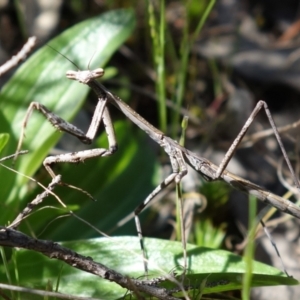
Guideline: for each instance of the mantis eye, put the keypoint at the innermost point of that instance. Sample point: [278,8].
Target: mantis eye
[71,74]
[98,73]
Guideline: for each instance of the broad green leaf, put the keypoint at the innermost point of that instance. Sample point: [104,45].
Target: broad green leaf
[222,270]
[42,78]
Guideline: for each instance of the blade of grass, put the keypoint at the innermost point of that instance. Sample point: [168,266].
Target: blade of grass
[158,44]
[185,48]
[4,137]
[249,251]
[179,204]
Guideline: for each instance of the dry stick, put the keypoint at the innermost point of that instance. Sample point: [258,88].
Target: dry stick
[251,139]
[13,155]
[179,156]
[12,238]
[39,199]
[21,55]
[40,293]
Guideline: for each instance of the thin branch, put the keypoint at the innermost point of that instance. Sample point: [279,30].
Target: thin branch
[38,199]
[41,292]
[21,55]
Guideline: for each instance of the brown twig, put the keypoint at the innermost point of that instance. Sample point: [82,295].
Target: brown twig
[21,55]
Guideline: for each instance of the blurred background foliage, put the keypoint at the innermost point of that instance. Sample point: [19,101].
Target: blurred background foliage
[209,60]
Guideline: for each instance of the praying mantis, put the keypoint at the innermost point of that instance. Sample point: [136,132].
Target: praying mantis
[179,156]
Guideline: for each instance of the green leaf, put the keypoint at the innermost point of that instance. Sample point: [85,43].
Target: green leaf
[222,270]
[4,137]
[42,78]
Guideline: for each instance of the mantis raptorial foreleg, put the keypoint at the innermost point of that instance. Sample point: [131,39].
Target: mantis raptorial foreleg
[101,114]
